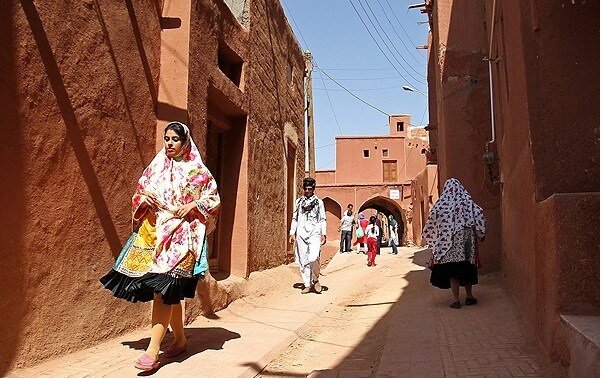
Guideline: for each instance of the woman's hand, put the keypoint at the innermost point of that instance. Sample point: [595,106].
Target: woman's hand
[148,202]
[183,210]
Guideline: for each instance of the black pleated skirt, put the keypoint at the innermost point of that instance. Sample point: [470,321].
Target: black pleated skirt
[142,289]
[466,273]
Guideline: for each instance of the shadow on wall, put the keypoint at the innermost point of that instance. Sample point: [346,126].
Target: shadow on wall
[12,201]
[72,125]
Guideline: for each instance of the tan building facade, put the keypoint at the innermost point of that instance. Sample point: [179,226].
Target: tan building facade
[379,173]
[86,89]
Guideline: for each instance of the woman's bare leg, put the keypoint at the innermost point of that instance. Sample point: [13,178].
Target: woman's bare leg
[455,289]
[177,325]
[161,313]
[468,291]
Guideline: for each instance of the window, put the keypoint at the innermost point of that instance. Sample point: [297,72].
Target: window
[400,126]
[365,153]
[385,152]
[230,63]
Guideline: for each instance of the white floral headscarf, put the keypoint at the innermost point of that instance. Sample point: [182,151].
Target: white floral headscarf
[453,211]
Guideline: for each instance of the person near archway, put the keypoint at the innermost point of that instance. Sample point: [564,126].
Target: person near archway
[346,229]
[372,232]
[361,237]
[394,235]
[451,230]
[308,230]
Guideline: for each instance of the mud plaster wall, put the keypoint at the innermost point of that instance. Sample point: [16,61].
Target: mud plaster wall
[77,82]
[534,162]
[275,99]
[463,112]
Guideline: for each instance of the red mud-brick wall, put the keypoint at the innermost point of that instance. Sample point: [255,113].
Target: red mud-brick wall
[460,82]
[77,84]
[276,99]
[548,136]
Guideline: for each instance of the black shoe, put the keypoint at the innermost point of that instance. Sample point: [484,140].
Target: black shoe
[455,305]
[470,301]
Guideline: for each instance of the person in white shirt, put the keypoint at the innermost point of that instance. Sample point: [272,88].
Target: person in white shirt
[308,231]
[346,229]
[372,232]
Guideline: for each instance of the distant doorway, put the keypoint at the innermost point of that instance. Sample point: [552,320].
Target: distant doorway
[290,194]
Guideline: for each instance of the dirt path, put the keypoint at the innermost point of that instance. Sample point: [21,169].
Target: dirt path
[348,334]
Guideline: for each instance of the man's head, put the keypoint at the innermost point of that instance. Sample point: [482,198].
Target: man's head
[349,209]
[309,186]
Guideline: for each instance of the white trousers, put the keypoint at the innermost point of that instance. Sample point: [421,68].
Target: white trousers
[307,256]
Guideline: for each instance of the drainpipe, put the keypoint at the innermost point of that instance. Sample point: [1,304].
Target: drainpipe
[490,88]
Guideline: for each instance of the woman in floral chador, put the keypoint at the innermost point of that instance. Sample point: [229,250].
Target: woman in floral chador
[451,230]
[174,209]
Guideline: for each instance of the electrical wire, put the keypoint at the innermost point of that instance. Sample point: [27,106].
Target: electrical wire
[330,101]
[376,42]
[397,34]
[392,43]
[352,94]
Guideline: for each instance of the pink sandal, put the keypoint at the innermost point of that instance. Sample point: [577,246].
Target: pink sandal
[173,351]
[146,363]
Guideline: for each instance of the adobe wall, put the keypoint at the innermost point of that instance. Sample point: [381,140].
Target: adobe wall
[352,167]
[325,177]
[463,115]
[567,263]
[275,87]
[545,238]
[76,101]
[566,152]
[424,187]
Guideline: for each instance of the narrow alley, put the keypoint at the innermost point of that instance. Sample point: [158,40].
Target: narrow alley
[385,321]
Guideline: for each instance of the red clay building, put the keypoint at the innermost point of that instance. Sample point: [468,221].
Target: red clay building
[381,173]
[85,89]
[539,181]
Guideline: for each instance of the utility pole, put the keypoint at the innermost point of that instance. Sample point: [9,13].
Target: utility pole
[309,112]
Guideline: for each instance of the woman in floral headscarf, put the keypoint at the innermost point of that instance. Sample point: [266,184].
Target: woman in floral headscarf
[450,231]
[174,209]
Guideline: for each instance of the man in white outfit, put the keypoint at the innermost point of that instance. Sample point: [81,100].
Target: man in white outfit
[308,230]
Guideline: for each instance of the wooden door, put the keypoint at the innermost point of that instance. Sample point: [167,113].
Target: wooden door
[389,170]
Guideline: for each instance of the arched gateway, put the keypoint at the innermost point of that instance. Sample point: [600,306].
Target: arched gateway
[388,207]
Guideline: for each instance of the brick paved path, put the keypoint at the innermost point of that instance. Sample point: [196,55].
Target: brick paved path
[409,332]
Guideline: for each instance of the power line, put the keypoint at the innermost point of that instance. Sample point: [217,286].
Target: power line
[367,78]
[358,69]
[376,42]
[326,164]
[392,43]
[295,25]
[330,101]
[400,24]
[359,90]
[397,34]
[352,94]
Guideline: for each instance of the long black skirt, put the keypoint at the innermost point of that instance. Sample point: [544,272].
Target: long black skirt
[142,289]
[466,273]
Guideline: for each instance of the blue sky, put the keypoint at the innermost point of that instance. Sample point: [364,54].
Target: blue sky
[344,50]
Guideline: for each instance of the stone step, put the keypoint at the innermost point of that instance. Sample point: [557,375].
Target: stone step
[582,332]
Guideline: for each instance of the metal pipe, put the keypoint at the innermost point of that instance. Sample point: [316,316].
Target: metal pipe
[490,89]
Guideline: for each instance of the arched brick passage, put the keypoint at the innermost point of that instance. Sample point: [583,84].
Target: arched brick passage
[388,207]
[333,215]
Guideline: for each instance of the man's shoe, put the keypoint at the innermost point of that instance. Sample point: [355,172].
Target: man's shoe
[306,290]
[317,287]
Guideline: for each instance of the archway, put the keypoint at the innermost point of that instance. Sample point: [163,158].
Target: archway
[333,215]
[389,207]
